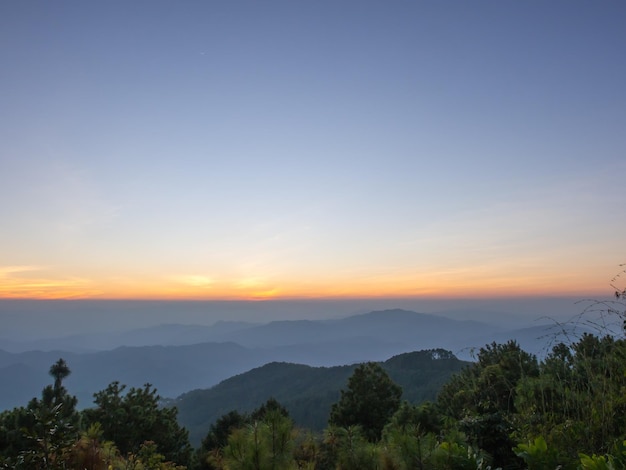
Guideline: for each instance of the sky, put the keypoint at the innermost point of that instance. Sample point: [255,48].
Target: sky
[311,149]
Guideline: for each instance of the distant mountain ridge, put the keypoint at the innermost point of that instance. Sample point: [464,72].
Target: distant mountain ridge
[397,325]
[236,347]
[401,326]
[169,334]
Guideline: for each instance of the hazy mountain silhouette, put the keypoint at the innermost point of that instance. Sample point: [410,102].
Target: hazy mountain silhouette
[163,335]
[174,366]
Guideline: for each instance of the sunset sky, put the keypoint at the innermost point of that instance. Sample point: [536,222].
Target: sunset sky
[285,149]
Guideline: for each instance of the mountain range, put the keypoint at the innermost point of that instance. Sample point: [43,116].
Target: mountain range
[179,358]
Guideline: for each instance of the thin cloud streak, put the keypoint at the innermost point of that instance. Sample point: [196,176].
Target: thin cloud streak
[13,284]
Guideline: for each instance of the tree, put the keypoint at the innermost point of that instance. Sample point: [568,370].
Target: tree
[265,444]
[51,438]
[40,435]
[269,406]
[217,437]
[425,418]
[91,452]
[351,449]
[59,370]
[577,403]
[482,398]
[131,419]
[370,401]
[220,431]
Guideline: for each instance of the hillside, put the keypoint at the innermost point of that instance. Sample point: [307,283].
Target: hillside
[238,347]
[308,392]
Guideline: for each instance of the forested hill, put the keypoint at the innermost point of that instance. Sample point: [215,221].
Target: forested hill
[309,392]
[175,368]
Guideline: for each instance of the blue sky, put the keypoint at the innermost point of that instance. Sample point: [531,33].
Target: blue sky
[311,149]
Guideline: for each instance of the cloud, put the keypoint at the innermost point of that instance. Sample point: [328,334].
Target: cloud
[195,280]
[250,282]
[31,282]
[7,271]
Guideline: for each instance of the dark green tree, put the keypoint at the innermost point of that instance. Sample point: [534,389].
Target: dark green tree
[39,436]
[577,404]
[482,398]
[132,418]
[369,401]
[269,406]
[217,437]
[50,440]
[352,450]
[12,438]
[264,444]
[59,371]
[425,418]
[220,431]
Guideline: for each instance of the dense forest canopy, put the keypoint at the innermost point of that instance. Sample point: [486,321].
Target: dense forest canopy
[506,410]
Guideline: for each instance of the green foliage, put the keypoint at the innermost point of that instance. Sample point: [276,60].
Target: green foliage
[271,406]
[307,451]
[352,450]
[92,452]
[569,411]
[50,437]
[211,452]
[308,393]
[46,432]
[489,385]
[425,417]
[616,460]
[370,400]
[456,456]
[412,440]
[217,438]
[421,374]
[536,455]
[130,419]
[596,462]
[483,398]
[13,438]
[578,402]
[40,435]
[147,458]
[265,444]
[408,446]
[575,403]
[59,370]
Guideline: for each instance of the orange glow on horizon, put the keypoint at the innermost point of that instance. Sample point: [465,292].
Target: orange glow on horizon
[32,282]
[50,291]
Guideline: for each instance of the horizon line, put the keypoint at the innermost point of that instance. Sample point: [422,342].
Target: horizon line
[517,296]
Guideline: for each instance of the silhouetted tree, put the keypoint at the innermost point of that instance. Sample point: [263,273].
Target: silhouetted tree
[59,371]
[369,401]
[39,436]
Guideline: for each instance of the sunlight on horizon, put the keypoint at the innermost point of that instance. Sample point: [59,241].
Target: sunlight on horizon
[26,282]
